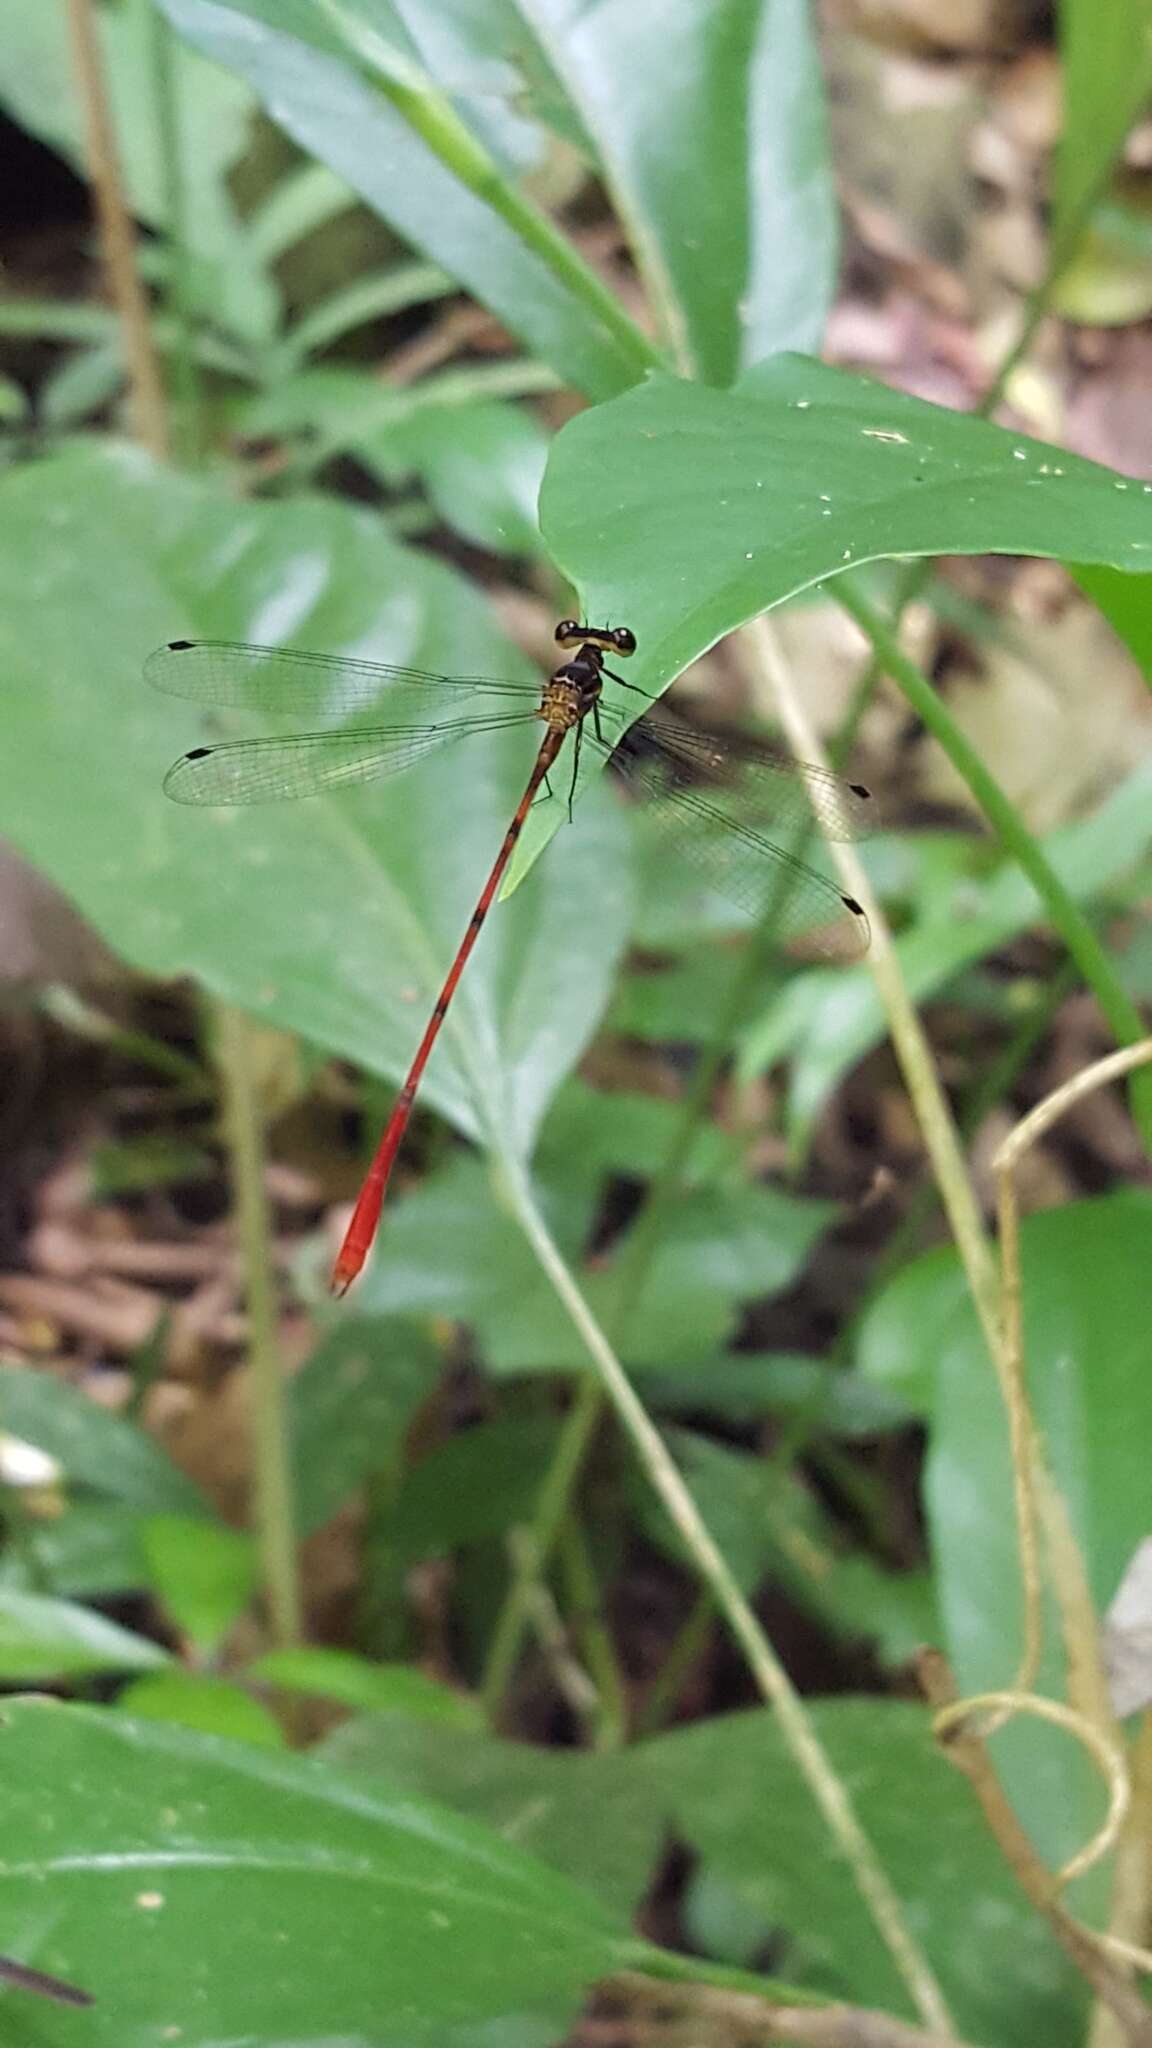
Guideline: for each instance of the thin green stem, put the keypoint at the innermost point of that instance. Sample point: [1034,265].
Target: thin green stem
[74,1014]
[921,1078]
[687,1648]
[1084,947]
[275,1514]
[827,1789]
[634,1261]
[549,1512]
[388,406]
[995,1081]
[588,1408]
[585,1617]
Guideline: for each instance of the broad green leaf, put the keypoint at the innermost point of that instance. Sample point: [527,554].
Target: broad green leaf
[94,1447]
[680,999]
[595,1818]
[363,300]
[203,1573]
[1106,56]
[476,1484]
[193,1699]
[85,383]
[41,1638]
[237,1894]
[349,1407]
[89,1551]
[353,1681]
[592,1132]
[1086,1350]
[684,511]
[826,1020]
[481,466]
[336,918]
[744,1386]
[13,401]
[309,79]
[1126,602]
[735,1797]
[765,1520]
[708,125]
[720,1246]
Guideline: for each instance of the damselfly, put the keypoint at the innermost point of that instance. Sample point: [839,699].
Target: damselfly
[716,792]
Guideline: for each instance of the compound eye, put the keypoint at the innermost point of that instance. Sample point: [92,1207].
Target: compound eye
[568,630]
[625,639]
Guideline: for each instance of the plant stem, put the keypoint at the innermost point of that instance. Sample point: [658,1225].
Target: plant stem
[274,1511]
[997,1080]
[117,233]
[588,1406]
[773,1682]
[923,1083]
[586,1619]
[688,1645]
[1084,947]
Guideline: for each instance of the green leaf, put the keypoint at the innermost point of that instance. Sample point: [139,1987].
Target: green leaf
[349,1407]
[271,1898]
[715,155]
[84,384]
[1126,602]
[153,1159]
[203,1572]
[826,1020]
[319,93]
[719,1246]
[95,1447]
[14,402]
[1085,1345]
[476,1484]
[593,1132]
[195,1700]
[90,1551]
[46,1639]
[686,511]
[481,465]
[593,1818]
[743,1385]
[735,1798]
[352,1681]
[765,1520]
[306,198]
[336,918]
[363,300]
[1106,64]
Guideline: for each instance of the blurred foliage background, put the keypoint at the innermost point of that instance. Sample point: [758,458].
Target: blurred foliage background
[546,1615]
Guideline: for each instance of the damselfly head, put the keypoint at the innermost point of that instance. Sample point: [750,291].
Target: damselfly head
[610,639]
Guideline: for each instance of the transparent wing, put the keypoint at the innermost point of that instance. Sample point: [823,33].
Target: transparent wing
[716,802]
[785,792]
[282,679]
[270,771]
